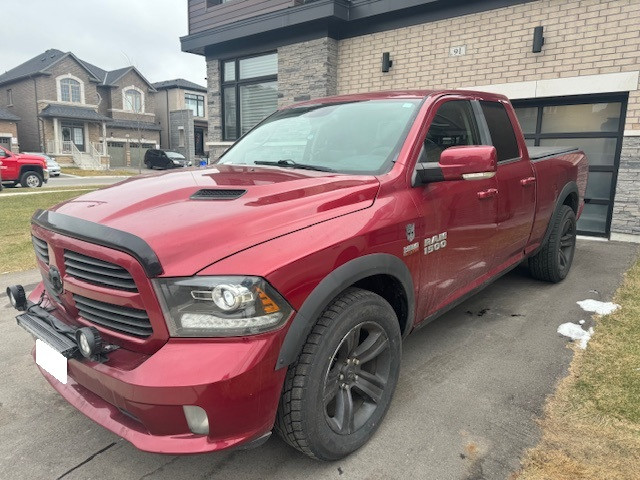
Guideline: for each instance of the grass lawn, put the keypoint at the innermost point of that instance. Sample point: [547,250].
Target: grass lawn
[97,173]
[16,251]
[591,428]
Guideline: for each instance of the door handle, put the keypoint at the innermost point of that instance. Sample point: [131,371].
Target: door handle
[492,192]
[525,182]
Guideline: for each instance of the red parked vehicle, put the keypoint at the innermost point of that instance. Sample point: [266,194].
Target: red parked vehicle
[27,170]
[198,310]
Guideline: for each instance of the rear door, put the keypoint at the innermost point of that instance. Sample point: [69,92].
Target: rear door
[516,184]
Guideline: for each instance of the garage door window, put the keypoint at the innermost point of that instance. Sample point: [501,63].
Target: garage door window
[593,124]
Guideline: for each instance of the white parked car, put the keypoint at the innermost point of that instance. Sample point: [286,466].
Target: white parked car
[52,165]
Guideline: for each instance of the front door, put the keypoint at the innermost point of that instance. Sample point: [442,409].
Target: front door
[459,217]
[73,133]
[198,138]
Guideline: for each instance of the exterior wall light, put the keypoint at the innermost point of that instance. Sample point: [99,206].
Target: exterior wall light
[538,39]
[387,63]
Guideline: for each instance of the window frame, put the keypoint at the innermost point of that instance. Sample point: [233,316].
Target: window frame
[236,84]
[9,97]
[216,3]
[198,98]
[68,76]
[124,99]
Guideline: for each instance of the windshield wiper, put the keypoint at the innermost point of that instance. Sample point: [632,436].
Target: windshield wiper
[292,164]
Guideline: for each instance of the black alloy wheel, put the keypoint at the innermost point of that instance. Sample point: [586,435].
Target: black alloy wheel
[356,378]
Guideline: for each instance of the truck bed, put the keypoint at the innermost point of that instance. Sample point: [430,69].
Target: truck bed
[537,153]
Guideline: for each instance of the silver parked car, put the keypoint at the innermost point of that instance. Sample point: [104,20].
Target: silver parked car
[52,165]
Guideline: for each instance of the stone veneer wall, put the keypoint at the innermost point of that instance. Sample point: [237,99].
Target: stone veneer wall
[626,209]
[306,70]
[184,119]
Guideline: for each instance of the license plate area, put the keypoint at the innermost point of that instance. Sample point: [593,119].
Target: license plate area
[51,361]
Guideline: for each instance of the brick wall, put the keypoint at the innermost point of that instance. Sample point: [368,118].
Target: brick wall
[10,128]
[307,70]
[132,78]
[582,37]
[626,209]
[214,109]
[24,106]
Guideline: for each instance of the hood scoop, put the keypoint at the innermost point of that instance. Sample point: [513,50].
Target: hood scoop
[217,194]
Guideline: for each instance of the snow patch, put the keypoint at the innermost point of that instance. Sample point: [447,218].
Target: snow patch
[581,322]
[575,332]
[595,306]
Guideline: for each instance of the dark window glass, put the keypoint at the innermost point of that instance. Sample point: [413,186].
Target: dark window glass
[501,130]
[250,93]
[453,125]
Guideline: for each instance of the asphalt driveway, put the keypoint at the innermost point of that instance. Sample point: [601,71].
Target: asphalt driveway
[472,384]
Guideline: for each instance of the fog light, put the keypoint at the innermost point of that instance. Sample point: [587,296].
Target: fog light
[196,419]
[17,297]
[89,341]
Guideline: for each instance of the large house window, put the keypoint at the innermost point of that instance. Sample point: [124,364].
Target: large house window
[249,93]
[133,100]
[195,103]
[70,90]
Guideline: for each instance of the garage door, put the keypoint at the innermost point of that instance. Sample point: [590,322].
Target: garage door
[5,142]
[117,153]
[593,124]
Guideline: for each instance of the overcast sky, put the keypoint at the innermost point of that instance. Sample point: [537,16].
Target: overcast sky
[110,34]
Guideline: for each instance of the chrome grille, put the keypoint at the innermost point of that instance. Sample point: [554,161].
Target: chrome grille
[98,272]
[41,248]
[130,321]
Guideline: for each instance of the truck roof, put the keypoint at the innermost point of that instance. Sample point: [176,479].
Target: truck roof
[397,94]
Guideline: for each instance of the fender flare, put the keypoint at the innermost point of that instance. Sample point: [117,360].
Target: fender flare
[569,188]
[331,286]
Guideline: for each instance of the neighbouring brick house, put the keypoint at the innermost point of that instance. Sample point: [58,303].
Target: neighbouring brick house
[181,109]
[9,130]
[80,113]
[582,88]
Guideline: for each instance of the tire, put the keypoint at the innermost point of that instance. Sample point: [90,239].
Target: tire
[354,347]
[31,179]
[553,262]
[148,164]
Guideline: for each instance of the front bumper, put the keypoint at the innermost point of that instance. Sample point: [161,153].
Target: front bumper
[140,397]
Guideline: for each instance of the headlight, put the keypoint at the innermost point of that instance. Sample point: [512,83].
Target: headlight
[220,306]
[176,162]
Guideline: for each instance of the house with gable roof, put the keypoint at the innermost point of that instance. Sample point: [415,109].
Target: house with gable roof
[80,113]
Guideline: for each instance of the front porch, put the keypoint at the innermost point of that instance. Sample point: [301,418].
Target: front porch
[74,136]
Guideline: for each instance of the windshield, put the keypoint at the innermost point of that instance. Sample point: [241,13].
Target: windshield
[175,155]
[356,137]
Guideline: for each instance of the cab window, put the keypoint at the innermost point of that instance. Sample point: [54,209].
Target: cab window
[501,130]
[453,125]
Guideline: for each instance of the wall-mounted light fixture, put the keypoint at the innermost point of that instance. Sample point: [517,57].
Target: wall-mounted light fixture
[387,63]
[538,39]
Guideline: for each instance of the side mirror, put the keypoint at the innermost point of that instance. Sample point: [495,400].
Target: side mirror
[473,162]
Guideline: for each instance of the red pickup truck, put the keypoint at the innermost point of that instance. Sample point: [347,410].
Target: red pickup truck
[198,310]
[27,170]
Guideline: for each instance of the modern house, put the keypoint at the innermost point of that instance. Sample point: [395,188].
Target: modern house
[80,113]
[571,68]
[9,130]
[181,110]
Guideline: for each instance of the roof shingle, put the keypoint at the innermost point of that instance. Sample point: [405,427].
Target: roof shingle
[8,116]
[179,83]
[76,113]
